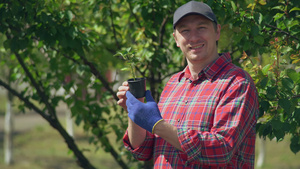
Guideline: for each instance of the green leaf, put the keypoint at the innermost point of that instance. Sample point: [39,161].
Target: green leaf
[264,82]
[276,124]
[295,9]
[266,68]
[295,144]
[247,45]
[23,43]
[297,115]
[271,92]
[286,127]
[259,39]
[279,134]
[292,74]
[267,130]
[125,69]
[237,37]
[285,104]
[263,129]
[96,131]
[78,120]
[278,16]
[128,50]
[265,105]
[278,131]
[278,7]
[262,2]
[69,15]
[288,83]
[254,31]
[233,6]
[258,18]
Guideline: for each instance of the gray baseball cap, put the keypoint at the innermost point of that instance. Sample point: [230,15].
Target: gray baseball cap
[193,7]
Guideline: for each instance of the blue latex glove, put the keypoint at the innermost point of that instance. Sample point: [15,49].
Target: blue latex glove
[146,115]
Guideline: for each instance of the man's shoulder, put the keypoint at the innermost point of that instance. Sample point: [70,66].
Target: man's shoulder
[236,73]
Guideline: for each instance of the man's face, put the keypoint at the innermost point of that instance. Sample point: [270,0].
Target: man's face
[196,37]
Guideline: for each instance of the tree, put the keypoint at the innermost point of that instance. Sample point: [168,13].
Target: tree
[274,27]
[8,131]
[49,40]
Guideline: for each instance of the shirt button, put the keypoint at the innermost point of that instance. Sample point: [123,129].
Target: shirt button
[178,120]
[186,102]
[167,160]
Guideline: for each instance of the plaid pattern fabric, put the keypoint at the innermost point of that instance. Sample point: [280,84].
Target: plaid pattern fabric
[215,116]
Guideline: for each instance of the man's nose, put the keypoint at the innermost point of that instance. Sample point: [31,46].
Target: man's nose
[194,35]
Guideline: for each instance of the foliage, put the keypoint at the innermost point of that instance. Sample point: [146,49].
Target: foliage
[276,69]
[131,59]
[70,45]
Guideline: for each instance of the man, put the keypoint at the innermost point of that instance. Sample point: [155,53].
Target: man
[207,113]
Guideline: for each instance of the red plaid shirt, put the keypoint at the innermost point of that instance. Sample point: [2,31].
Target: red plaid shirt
[215,116]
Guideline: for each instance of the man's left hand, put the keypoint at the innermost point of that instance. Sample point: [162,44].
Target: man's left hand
[146,115]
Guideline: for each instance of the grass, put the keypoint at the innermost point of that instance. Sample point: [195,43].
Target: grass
[279,155]
[43,148]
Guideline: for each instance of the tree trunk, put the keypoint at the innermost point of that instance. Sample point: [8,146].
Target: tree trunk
[82,161]
[262,142]
[261,154]
[8,130]
[69,123]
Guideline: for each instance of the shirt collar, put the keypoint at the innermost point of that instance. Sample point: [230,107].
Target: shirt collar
[210,70]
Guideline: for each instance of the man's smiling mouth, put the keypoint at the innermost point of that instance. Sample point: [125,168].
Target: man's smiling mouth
[197,47]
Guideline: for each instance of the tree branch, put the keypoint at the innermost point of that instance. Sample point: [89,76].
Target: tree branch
[99,76]
[25,100]
[40,91]
[295,97]
[113,26]
[282,31]
[95,72]
[83,162]
[162,31]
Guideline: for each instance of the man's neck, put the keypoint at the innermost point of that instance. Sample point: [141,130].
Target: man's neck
[195,69]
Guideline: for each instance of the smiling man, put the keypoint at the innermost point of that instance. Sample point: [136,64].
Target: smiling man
[196,36]
[207,113]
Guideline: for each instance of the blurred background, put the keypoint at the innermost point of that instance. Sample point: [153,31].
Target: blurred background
[61,62]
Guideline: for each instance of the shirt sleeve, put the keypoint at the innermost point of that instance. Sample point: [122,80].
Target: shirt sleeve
[234,120]
[145,151]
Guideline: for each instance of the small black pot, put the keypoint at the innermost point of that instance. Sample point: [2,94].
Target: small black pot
[137,87]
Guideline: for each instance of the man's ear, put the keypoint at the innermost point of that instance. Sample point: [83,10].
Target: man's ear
[218,31]
[174,35]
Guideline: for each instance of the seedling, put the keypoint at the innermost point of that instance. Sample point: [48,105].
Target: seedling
[131,61]
[137,86]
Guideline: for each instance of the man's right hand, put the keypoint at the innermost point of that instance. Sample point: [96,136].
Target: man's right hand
[121,94]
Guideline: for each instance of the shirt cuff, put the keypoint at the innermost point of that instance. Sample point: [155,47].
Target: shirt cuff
[190,144]
[144,152]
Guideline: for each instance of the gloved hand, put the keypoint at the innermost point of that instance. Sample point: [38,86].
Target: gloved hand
[146,115]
